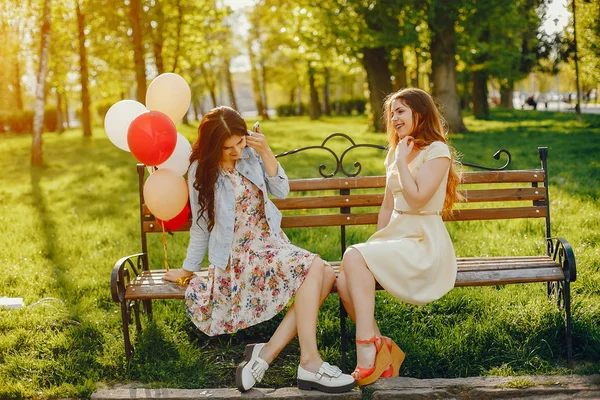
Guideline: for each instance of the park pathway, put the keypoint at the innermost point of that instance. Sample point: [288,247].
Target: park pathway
[550,387]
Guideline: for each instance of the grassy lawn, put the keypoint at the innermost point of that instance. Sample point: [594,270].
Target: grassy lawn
[66,223]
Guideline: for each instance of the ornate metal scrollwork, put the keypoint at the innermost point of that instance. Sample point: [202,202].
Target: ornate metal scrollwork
[497,157]
[339,160]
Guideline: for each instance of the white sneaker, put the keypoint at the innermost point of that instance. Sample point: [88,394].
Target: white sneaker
[252,369]
[328,379]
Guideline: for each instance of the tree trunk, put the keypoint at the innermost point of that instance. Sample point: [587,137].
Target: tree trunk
[195,105]
[67,119]
[18,89]
[417,82]
[299,100]
[60,125]
[375,62]
[443,66]
[210,84]
[38,118]
[263,88]
[399,72]
[506,94]
[157,36]
[83,67]
[260,108]
[229,82]
[326,98]
[135,13]
[179,25]
[481,109]
[315,107]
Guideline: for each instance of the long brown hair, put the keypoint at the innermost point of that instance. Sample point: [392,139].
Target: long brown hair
[428,126]
[218,125]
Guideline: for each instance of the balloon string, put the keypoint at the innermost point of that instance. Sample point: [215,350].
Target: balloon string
[164,241]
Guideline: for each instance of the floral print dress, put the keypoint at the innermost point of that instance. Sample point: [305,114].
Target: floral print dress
[263,274]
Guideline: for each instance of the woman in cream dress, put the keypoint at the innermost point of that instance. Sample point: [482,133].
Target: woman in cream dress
[411,254]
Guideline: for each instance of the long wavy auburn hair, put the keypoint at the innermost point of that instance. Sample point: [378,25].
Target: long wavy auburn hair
[428,126]
[218,125]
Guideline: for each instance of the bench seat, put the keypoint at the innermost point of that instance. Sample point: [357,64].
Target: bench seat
[472,271]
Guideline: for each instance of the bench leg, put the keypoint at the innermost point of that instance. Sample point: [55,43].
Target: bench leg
[148,308]
[136,311]
[344,349]
[552,288]
[569,328]
[125,322]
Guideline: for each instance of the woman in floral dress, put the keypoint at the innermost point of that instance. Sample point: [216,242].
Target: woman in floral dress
[254,270]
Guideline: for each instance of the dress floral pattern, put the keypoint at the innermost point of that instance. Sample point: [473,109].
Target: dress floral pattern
[263,274]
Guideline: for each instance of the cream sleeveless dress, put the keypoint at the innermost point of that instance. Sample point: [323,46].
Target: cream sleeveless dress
[412,257]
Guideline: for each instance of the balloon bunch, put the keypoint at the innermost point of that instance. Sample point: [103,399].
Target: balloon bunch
[149,133]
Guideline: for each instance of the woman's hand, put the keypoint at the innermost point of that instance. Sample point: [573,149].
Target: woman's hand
[173,275]
[258,142]
[404,148]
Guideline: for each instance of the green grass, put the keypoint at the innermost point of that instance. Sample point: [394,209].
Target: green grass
[64,225]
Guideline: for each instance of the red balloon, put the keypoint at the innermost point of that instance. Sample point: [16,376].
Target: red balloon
[152,138]
[178,221]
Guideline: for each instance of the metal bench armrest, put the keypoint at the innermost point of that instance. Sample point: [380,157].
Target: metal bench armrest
[121,276]
[562,253]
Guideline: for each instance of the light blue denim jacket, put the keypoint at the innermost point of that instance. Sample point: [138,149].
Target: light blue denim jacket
[219,241]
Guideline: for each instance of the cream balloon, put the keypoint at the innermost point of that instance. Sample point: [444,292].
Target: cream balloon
[118,118]
[165,193]
[179,161]
[170,94]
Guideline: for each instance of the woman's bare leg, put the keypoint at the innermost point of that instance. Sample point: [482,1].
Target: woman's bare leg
[343,292]
[358,291]
[287,329]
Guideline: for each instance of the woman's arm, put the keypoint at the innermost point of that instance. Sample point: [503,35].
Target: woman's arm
[419,190]
[275,177]
[258,142]
[199,236]
[387,207]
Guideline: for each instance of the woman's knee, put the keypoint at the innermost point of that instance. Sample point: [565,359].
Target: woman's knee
[352,259]
[328,273]
[342,284]
[317,267]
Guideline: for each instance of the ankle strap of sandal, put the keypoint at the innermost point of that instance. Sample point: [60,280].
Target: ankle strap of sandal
[375,339]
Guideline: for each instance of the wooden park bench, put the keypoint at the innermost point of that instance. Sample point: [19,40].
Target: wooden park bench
[521,194]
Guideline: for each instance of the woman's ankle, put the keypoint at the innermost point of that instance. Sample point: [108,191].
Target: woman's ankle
[365,355]
[265,354]
[311,364]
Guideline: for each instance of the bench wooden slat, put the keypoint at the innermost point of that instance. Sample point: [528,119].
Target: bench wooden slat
[361,182]
[365,182]
[300,221]
[534,175]
[368,200]
[502,277]
[300,203]
[505,194]
[475,271]
[375,200]
[497,213]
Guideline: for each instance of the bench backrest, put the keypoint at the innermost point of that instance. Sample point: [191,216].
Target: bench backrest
[335,201]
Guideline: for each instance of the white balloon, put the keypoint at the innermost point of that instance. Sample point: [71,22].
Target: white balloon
[118,118]
[179,161]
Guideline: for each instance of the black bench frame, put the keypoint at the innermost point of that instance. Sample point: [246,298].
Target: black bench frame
[557,248]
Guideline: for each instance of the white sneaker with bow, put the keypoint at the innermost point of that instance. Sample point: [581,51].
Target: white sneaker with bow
[328,379]
[252,369]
